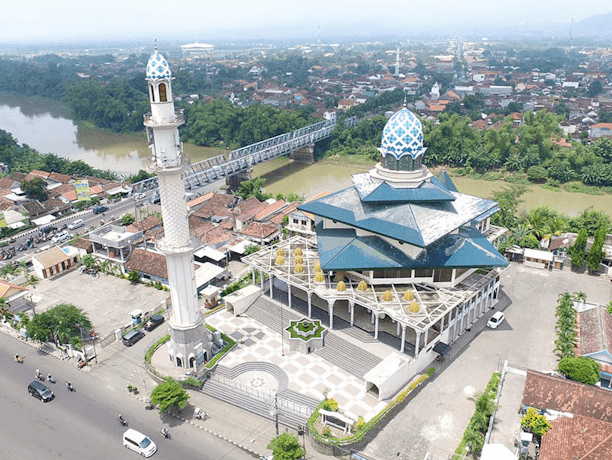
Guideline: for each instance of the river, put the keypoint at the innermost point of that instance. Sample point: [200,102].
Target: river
[44,125]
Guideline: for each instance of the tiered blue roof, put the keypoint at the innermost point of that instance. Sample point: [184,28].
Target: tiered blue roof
[429,190]
[342,249]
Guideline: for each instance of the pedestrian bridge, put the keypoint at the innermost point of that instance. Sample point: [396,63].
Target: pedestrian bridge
[241,160]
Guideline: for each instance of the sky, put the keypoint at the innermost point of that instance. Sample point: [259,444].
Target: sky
[47,21]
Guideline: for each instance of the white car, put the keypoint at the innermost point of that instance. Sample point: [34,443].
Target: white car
[139,443]
[496,320]
[61,237]
[140,196]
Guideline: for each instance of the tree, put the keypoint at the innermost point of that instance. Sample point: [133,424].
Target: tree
[286,446]
[128,219]
[536,423]
[596,252]
[595,89]
[89,261]
[133,276]
[252,187]
[580,369]
[578,249]
[169,394]
[35,188]
[62,323]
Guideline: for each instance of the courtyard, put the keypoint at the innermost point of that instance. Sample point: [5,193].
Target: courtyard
[107,300]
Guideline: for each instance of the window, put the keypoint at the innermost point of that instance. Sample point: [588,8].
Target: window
[152,91]
[162,92]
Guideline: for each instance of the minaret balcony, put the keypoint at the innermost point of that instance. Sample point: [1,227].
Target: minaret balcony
[151,121]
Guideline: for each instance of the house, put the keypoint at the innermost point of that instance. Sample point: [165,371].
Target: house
[601,130]
[595,339]
[580,415]
[17,298]
[52,262]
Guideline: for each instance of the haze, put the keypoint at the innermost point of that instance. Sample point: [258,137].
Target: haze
[41,21]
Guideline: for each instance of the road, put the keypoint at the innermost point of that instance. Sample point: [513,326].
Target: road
[83,424]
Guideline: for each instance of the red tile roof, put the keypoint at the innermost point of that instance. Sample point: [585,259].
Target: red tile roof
[544,391]
[151,263]
[577,438]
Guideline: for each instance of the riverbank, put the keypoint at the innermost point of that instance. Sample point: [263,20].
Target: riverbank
[333,174]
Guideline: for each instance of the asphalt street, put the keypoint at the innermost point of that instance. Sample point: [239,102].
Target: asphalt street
[83,424]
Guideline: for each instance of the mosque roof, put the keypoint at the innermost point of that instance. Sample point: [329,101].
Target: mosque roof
[343,249]
[414,222]
[429,190]
[157,67]
[402,135]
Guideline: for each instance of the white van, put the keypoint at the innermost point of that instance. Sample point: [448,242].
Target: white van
[139,443]
[76,224]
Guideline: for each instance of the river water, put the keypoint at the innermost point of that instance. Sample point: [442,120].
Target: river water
[44,125]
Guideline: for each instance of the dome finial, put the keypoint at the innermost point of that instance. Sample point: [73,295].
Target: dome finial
[405,101]
[155,39]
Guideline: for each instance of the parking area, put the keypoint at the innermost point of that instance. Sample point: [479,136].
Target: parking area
[435,419]
[107,300]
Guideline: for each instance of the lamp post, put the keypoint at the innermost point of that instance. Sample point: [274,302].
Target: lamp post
[300,431]
[82,342]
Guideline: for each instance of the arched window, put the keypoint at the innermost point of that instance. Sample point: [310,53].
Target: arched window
[152,91]
[162,92]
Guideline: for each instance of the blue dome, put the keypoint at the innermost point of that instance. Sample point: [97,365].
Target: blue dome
[402,135]
[157,67]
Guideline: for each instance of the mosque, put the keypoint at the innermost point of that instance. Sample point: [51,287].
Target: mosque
[400,252]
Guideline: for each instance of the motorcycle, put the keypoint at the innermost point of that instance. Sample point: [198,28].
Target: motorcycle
[39,376]
[199,414]
[122,421]
[69,387]
[18,359]
[50,378]
[165,433]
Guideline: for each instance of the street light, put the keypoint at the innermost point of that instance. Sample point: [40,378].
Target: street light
[300,431]
[82,342]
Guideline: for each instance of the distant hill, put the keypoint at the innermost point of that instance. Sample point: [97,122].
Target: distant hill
[594,26]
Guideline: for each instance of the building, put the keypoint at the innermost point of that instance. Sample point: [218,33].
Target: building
[400,252]
[189,345]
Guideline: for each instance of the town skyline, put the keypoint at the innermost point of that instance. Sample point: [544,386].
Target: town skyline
[89,21]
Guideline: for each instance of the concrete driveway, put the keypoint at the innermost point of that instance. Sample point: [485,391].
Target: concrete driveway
[435,419]
[107,300]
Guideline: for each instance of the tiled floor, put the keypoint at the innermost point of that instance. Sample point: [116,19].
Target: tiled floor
[308,374]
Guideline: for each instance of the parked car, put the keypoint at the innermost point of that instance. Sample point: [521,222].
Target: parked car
[496,320]
[99,209]
[49,229]
[40,391]
[140,196]
[132,337]
[153,322]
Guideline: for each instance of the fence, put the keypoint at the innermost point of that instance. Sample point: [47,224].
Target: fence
[262,395]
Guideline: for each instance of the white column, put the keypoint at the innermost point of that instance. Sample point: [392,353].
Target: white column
[261,274]
[397,328]
[417,343]
[271,285]
[309,293]
[353,314]
[372,314]
[330,306]
[402,346]
[425,339]
[376,328]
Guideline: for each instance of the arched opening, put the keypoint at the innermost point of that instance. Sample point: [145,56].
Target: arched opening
[179,362]
[152,91]
[372,389]
[192,361]
[162,92]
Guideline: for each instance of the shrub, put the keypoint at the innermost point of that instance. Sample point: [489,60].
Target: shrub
[535,422]
[580,369]
[330,404]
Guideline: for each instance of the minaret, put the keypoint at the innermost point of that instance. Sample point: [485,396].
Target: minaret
[397,62]
[189,345]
